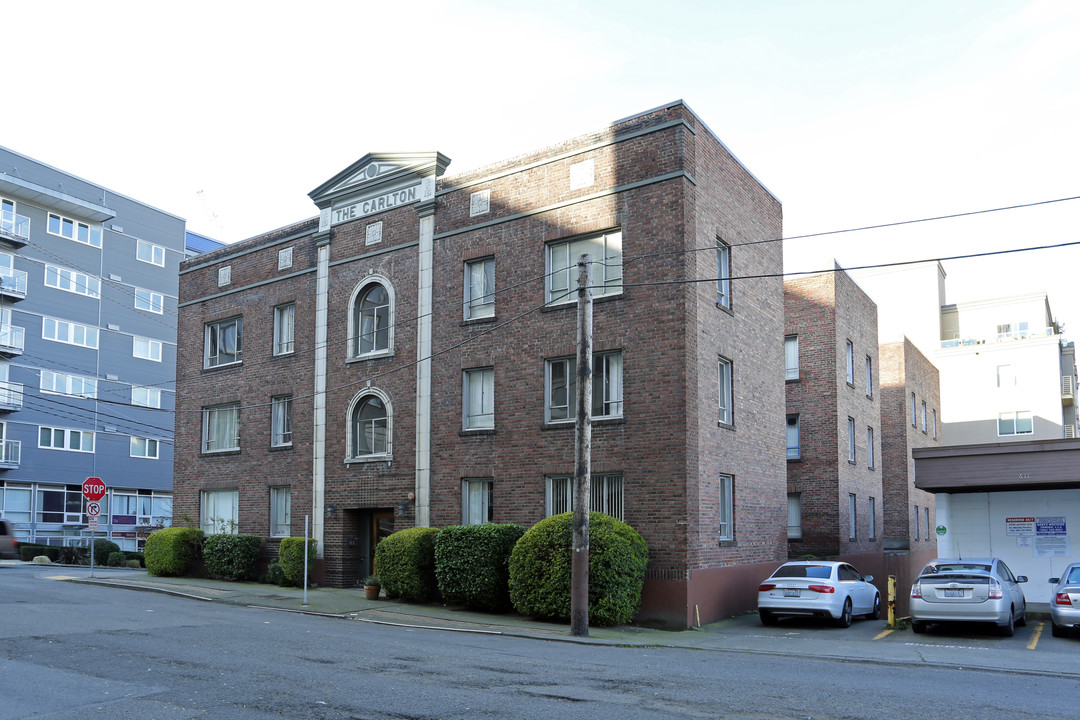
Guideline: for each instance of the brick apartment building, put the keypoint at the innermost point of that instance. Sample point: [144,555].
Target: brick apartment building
[406,359]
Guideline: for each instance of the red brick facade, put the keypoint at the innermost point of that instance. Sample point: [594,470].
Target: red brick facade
[672,191]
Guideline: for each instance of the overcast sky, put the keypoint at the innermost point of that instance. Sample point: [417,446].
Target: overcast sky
[852,113]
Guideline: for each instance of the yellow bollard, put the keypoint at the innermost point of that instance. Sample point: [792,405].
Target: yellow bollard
[892,601]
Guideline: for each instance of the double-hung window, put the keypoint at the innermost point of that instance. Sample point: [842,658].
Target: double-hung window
[913,411]
[220,511]
[605,252]
[144,448]
[280,511]
[224,340]
[605,494]
[725,392]
[146,396]
[791,357]
[607,393]
[870,447]
[794,516]
[851,439]
[869,378]
[480,288]
[221,428]
[281,421]
[476,496]
[794,451]
[849,357]
[146,348]
[923,416]
[478,392]
[723,274]
[853,525]
[72,281]
[149,253]
[872,510]
[149,301]
[284,328]
[726,509]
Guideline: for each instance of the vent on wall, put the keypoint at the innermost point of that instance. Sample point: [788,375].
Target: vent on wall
[1070,431]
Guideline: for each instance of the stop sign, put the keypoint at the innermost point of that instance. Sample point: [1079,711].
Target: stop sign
[93,489]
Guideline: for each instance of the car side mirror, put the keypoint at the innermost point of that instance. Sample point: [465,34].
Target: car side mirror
[1055,581]
[869,578]
[1021,578]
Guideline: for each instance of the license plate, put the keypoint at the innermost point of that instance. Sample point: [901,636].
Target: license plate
[954,593]
[791,593]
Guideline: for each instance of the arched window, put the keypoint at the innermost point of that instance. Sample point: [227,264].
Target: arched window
[369,426]
[370,331]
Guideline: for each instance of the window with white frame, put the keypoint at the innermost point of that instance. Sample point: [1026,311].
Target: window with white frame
[70,333]
[370,332]
[221,428]
[476,494]
[58,505]
[726,508]
[144,448]
[480,288]
[224,342]
[149,301]
[605,252]
[872,509]
[794,516]
[794,452]
[369,427]
[1015,423]
[923,416]
[66,384]
[141,509]
[220,511]
[870,448]
[853,527]
[605,494]
[280,511]
[146,349]
[281,420]
[869,378]
[849,357]
[723,273]
[52,438]
[791,357]
[851,439]
[15,502]
[72,281]
[478,395]
[149,253]
[146,396]
[284,328]
[727,411]
[607,393]
[74,230]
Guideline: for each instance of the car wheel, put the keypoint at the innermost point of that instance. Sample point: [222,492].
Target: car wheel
[1057,630]
[1009,628]
[767,618]
[918,627]
[845,615]
[876,612]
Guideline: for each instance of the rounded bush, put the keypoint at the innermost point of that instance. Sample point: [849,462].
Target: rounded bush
[170,551]
[274,575]
[232,556]
[291,557]
[406,564]
[103,549]
[540,568]
[116,559]
[472,565]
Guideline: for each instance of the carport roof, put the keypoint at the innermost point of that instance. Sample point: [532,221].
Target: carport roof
[1028,465]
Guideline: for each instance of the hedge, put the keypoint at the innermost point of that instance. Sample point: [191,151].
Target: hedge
[291,556]
[170,551]
[232,556]
[472,565]
[405,562]
[540,568]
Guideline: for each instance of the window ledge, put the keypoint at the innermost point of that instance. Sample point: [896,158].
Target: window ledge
[284,355]
[570,304]
[725,308]
[476,431]
[726,426]
[278,448]
[793,380]
[795,460]
[570,424]
[727,543]
[369,459]
[370,356]
[478,320]
[219,453]
[222,366]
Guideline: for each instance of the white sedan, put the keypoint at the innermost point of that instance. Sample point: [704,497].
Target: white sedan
[818,588]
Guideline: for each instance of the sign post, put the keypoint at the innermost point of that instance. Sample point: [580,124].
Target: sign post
[93,489]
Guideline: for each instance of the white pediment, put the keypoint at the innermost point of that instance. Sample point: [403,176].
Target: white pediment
[376,173]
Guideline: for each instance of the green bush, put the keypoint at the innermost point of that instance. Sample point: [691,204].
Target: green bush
[291,556]
[274,575]
[136,556]
[103,548]
[472,565]
[232,556]
[73,555]
[116,559]
[540,569]
[406,564]
[170,551]
[29,551]
[132,563]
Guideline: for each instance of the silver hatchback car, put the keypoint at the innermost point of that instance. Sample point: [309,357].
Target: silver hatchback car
[968,590]
[1065,601]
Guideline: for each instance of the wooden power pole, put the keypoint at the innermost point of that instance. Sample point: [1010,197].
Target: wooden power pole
[579,568]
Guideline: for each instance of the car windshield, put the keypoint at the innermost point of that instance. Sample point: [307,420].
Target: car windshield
[811,571]
[956,568]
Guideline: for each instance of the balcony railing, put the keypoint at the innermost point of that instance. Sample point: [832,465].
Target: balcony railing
[10,452]
[11,395]
[14,228]
[13,283]
[999,337]
[12,340]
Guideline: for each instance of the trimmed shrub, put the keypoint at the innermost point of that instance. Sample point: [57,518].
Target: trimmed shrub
[132,563]
[103,548]
[136,556]
[274,575]
[406,564]
[232,556]
[170,551]
[472,565]
[291,556]
[116,559]
[540,569]
[29,551]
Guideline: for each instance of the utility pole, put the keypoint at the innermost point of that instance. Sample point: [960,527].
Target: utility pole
[579,567]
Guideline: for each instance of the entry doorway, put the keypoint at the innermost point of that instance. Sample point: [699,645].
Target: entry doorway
[381,526]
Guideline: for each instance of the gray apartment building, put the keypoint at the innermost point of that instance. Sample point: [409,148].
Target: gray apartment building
[88,288]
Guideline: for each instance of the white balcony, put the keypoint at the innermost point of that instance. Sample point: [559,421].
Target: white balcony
[12,340]
[12,283]
[11,396]
[14,228]
[10,453]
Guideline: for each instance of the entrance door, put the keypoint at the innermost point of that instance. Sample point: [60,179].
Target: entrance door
[382,525]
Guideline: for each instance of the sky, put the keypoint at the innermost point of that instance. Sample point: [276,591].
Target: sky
[852,113]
